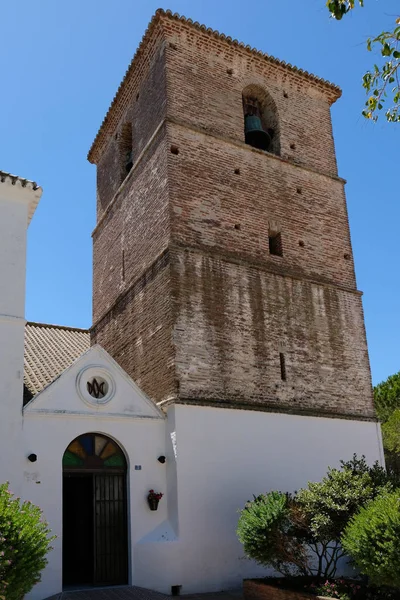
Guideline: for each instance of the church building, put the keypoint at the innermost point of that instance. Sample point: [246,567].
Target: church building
[227,355]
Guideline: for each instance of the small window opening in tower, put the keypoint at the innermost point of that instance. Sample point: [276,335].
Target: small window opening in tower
[255,135]
[283,366]
[275,244]
[125,145]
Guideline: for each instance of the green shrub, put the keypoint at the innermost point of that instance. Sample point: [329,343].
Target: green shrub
[271,530]
[24,543]
[372,539]
[301,534]
[331,502]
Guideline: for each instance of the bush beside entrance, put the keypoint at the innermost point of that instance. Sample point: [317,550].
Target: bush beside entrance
[24,543]
[302,535]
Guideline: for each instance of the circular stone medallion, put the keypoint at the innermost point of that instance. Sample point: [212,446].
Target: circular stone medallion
[95,385]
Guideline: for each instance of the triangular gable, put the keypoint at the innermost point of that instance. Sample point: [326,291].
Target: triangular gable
[117,394]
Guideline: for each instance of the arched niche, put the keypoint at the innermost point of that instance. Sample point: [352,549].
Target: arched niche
[261,120]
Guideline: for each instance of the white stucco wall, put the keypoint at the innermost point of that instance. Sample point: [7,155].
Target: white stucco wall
[216,460]
[17,204]
[49,437]
[224,457]
[56,417]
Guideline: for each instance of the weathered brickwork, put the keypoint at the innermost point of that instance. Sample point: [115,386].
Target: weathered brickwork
[187,295]
[234,321]
[138,332]
[135,229]
[208,199]
[202,93]
[145,111]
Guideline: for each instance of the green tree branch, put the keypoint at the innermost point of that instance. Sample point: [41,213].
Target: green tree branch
[382,83]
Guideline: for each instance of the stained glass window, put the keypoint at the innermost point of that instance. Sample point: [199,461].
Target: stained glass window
[93,451]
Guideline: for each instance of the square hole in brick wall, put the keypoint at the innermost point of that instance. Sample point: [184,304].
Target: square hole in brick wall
[275,244]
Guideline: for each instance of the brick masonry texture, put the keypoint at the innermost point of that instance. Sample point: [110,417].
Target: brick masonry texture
[145,112]
[234,320]
[134,230]
[202,93]
[187,297]
[256,590]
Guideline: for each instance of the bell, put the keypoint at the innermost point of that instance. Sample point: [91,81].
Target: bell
[254,133]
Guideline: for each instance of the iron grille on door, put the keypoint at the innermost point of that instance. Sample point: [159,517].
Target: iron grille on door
[110,529]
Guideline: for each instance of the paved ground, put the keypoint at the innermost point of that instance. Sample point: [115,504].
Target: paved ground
[136,593]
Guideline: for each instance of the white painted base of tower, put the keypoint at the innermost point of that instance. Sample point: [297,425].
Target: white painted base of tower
[216,460]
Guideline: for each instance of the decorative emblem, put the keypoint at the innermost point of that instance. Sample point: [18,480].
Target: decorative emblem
[96,389]
[95,385]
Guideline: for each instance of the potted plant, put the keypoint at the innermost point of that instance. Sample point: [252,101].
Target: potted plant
[153,499]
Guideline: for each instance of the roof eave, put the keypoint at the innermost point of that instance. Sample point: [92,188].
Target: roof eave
[20,189]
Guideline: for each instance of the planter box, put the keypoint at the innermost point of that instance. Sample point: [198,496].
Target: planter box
[254,589]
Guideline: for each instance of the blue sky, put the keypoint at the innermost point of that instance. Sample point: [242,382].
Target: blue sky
[61,63]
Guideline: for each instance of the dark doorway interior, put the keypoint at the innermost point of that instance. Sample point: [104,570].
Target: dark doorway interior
[78,521]
[95,525]
[94,529]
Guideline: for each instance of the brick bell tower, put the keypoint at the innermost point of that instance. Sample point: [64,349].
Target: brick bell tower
[223,268]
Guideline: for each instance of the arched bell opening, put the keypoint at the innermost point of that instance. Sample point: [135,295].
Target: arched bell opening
[261,123]
[95,523]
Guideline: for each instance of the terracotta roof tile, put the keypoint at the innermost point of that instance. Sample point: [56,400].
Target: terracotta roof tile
[49,350]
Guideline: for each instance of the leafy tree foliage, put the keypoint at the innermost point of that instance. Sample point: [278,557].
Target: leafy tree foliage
[383,79]
[300,534]
[391,432]
[372,539]
[387,404]
[24,543]
[387,397]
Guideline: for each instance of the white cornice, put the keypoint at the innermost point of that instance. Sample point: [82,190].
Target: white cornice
[14,188]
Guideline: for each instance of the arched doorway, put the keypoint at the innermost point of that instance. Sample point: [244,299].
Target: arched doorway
[95,527]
